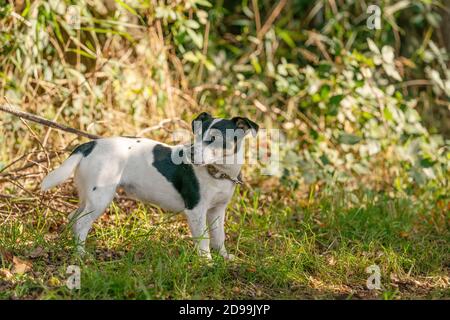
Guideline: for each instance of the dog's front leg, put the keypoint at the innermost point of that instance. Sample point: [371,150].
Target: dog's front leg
[216,221]
[197,223]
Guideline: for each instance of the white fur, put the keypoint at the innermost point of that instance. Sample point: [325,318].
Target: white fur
[122,162]
[62,173]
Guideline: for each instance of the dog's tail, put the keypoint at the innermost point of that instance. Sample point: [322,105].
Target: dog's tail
[63,173]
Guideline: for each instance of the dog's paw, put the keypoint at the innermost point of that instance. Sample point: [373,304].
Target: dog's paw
[206,259]
[229,257]
[205,255]
[80,250]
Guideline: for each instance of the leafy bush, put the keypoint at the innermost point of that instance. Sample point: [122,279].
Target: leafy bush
[312,68]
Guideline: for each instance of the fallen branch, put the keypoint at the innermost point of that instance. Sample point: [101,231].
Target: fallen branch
[28,116]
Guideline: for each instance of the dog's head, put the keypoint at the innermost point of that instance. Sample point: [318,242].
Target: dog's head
[217,139]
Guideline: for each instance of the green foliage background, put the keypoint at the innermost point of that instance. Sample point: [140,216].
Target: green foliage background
[354,104]
[364,116]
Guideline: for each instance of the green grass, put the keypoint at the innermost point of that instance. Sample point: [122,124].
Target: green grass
[286,248]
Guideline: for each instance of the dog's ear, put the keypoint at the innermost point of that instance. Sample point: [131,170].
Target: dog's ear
[246,125]
[200,119]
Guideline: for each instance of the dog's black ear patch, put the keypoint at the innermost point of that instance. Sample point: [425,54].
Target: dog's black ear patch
[202,118]
[85,149]
[181,176]
[246,124]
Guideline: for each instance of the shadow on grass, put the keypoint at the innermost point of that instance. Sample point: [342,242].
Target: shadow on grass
[283,252]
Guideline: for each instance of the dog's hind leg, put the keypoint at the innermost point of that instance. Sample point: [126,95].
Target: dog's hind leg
[77,211]
[97,200]
[81,203]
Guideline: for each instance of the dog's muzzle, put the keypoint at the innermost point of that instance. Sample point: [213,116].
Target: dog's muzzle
[194,157]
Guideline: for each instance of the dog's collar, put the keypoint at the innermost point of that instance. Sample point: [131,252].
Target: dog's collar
[217,174]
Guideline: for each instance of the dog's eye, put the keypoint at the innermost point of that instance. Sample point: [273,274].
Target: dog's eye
[213,138]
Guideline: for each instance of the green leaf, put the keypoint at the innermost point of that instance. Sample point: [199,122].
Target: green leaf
[324,67]
[284,35]
[190,56]
[351,139]
[324,92]
[129,9]
[373,47]
[336,100]
[203,3]
[57,29]
[27,9]
[324,159]
[426,162]
[192,24]
[316,98]
[82,53]
[433,19]
[255,63]
[241,22]
[388,114]
[196,38]
[126,7]
[101,30]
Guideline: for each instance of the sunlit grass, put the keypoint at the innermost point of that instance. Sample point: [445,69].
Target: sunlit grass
[316,251]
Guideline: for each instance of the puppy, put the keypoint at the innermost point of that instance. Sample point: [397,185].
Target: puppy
[197,178]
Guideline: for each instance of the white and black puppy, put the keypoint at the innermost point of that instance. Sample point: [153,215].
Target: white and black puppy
[198,178]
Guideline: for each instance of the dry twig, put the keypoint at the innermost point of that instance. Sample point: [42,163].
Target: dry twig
[28,116]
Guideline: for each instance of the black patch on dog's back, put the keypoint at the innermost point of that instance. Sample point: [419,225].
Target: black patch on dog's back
[181,176]
[85,148]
